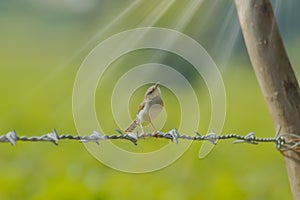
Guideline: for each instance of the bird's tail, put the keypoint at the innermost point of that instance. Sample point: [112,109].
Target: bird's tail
[132,126]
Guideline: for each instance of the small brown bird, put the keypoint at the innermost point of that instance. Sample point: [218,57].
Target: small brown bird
[151,106]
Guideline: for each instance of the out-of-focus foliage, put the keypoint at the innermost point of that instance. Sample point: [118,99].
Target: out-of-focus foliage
[39,58]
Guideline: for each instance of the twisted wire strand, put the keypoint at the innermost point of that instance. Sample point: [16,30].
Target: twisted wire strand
[283,142]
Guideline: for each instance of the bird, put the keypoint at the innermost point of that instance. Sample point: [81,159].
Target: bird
[149,109]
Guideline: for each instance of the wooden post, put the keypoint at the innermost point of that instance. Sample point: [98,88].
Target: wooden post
[274,73]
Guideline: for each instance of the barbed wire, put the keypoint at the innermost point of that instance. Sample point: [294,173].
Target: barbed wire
[283,142]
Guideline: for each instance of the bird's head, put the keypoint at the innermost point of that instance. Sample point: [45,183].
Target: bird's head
[153,91]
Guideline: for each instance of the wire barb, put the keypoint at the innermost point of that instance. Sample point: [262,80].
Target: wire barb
[283,142]
[10,137]
[249,138]
[212,137]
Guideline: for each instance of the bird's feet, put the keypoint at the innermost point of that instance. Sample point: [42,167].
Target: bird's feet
[156,134]
[143,135]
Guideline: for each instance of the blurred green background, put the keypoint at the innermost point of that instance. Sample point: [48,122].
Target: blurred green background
[43,44]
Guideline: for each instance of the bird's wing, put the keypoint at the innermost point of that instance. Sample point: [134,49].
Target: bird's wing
[131,126]
[141,106]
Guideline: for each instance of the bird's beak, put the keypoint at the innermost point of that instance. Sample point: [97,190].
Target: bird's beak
[156,85]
